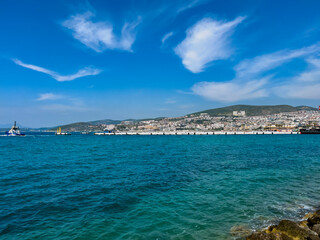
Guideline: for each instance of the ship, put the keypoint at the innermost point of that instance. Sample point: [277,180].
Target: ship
[14,131]
[310,131]
[62,133]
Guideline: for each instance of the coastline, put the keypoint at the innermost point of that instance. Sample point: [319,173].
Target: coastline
[198,133]
[308,228]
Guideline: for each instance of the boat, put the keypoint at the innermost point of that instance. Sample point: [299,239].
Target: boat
[84,133]
[62,133]
[310,131]
[14,131]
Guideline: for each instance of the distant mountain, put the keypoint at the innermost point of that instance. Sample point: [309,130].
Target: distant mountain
[254,110]
[74,127]
[105,121]
[86,126]
[147,119]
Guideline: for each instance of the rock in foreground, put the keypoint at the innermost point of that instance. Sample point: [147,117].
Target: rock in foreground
[308,229]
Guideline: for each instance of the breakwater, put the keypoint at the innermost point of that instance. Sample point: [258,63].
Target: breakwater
[197,133]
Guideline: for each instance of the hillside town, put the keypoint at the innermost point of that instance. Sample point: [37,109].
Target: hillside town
[235,121]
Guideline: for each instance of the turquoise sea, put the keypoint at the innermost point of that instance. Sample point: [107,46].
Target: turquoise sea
[153,187]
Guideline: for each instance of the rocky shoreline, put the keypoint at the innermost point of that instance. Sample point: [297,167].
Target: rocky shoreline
[307,229]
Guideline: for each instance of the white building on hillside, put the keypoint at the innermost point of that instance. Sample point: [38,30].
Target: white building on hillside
[239,113]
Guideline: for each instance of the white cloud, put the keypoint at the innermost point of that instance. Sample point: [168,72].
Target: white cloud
[231,91]
[255,66]
[304,86]
[313,73]
[166,36]
[88,71]
[100,36]
[49,96]
[298,90]
[190,5]
[69,104]
[206,41]
[253,79]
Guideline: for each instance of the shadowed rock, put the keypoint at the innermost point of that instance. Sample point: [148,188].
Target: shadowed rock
[293,230]
[240,231]
[268,236]
[316,228]
[314,219]
[289,230]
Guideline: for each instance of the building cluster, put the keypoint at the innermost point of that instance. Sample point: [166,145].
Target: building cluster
[235,121]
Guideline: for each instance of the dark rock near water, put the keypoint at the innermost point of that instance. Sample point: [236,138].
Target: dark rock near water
[292,229]
[314,219]
[268,236]
[316,228]
[240,231]
[308,229]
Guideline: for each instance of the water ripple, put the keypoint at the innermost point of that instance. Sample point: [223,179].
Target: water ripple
[153,187]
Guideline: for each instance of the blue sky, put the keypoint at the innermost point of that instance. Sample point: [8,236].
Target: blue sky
[69,61]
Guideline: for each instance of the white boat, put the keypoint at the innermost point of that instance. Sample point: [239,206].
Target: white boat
[14,131]
[62,133]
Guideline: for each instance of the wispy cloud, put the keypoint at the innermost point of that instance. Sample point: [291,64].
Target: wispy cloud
[305,86]
[264,63]
[49,96]
[191,4]
[88,71]
[298,91]
[166,36]
[100,36]
[64,103]
[253,78]
[231,91]
[208,40]
[313,72]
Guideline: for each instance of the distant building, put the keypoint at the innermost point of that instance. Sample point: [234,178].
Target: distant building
[239,113]
[109,127]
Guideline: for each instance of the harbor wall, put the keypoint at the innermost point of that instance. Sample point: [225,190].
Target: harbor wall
[198,133]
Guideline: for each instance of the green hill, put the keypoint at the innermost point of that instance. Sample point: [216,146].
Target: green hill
[105,121]
[224,111]
[254,110]
[74,127]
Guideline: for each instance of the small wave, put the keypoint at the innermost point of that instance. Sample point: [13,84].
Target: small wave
[293,212]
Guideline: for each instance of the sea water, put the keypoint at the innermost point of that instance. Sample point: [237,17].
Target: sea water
[154,187]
